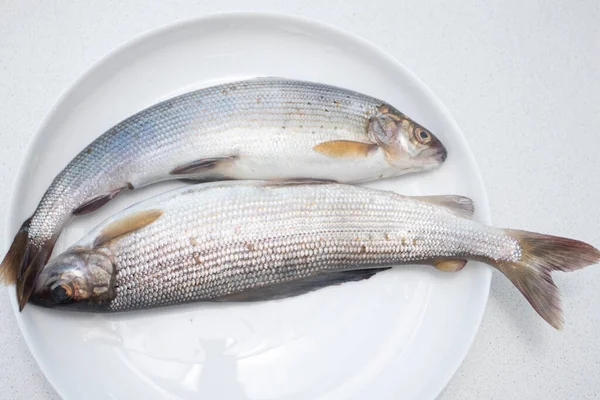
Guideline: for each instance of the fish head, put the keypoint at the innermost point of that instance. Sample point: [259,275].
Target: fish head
[407,145]
[79,278]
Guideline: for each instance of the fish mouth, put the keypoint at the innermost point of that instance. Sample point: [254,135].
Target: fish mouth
[435,155]
[441,154]
[42,299]
[441,151]
[40,295]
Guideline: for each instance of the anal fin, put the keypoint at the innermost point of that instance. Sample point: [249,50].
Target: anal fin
[300,286]
[449,265]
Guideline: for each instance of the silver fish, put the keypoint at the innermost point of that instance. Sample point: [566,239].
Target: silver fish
[255,129]
[244,241]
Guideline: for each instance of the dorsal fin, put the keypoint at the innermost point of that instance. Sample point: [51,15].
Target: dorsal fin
[127,225]
[460,206]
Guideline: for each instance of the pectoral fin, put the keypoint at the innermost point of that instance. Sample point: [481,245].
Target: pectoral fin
[345,148]
[449,265]
[127,225]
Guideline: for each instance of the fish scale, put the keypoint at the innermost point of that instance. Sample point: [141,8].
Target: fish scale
[249,241]
[266,128]
[228,238]
[195,118]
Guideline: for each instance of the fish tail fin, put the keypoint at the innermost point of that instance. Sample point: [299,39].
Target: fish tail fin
[23,263]
[16,256]
[32,265]
[540,255]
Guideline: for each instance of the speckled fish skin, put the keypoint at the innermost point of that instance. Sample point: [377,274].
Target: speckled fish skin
[221,239]
[255,129]
[235,240]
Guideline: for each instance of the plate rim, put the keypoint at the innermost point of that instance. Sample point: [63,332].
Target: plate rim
[482,207]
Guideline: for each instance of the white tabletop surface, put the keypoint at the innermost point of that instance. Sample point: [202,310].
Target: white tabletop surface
[521,79]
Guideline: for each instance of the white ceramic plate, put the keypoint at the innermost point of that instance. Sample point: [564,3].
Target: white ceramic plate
[401,334]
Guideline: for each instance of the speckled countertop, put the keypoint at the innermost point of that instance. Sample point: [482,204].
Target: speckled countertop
[520,78]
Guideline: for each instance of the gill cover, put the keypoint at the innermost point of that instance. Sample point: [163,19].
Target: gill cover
[405,143]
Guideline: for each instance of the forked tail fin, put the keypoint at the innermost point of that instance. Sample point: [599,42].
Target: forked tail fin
[16,256]
[37,257]
[23,262]
[542,254]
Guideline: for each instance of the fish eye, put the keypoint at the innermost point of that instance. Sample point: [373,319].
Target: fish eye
[423,136]
[61,292]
